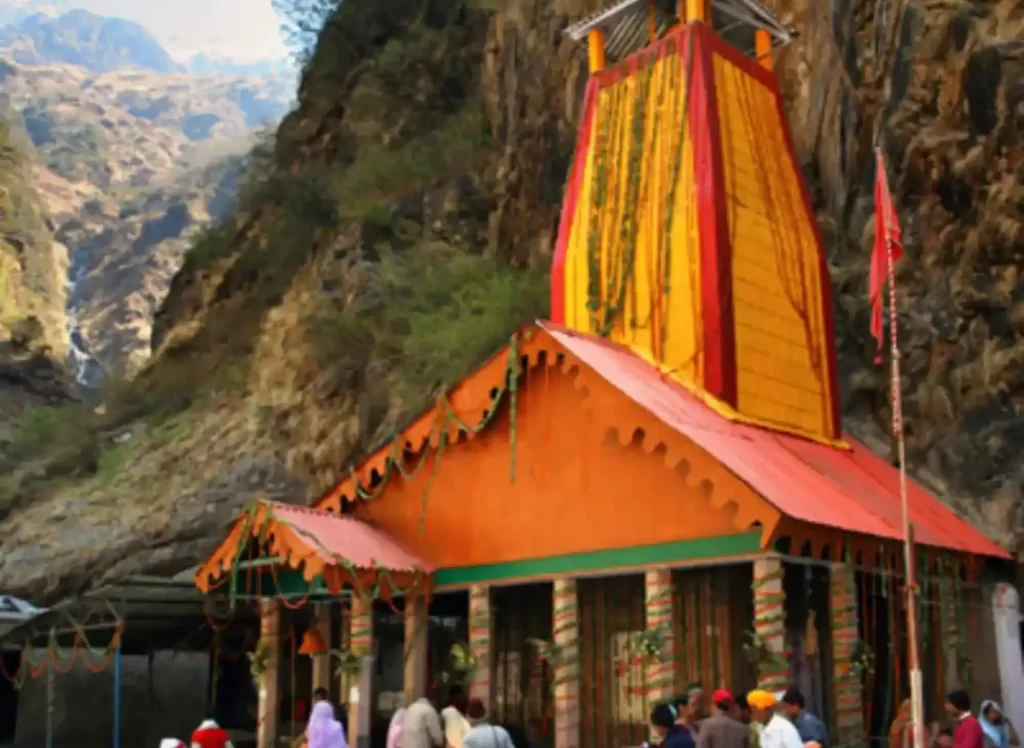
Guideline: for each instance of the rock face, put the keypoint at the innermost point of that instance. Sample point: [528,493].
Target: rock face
[942,85]
[431,141]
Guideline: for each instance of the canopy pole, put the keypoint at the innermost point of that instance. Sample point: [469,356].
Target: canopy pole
[909,560]
[117,694]
[49,707]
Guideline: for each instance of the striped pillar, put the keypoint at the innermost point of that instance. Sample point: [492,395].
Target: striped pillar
[770,624]
[480,633]
[846,685]
[660,674]
[566,631]
[268,698]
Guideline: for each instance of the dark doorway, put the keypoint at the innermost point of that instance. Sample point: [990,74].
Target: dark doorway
[9,697]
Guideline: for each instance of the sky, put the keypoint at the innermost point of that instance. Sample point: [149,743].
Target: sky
[242,30]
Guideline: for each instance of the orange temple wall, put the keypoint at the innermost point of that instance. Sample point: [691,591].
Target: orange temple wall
[576,489]
[707,256]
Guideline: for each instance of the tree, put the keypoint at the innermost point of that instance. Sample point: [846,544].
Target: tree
[302,21]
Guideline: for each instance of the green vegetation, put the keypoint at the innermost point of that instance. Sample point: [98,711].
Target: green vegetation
[425,317]
[30,280]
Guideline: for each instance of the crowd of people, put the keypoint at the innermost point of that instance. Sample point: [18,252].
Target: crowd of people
[757,719]
[760,719]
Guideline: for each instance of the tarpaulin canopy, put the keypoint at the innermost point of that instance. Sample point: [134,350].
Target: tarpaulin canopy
[340,549]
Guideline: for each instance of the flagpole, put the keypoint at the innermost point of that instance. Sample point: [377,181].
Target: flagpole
[913,654]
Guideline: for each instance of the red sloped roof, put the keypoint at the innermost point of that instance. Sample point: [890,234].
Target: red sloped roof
[316,541]
[332,536]
[852,490]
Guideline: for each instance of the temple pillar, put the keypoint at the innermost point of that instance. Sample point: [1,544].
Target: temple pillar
[268,696]
[481,631]
[322,662]
[566,634]
[595,50]
[949,627]
[770,624]
[763,48]
[846,684]
[416,624]
[361,686]
[658,596]
[345,679]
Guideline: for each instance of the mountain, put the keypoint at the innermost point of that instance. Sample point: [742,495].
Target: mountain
[96,43]
[401,224]
[117,151]
[203,64]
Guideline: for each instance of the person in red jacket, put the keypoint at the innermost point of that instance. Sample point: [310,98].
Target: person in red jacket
[210,735]
[968,732]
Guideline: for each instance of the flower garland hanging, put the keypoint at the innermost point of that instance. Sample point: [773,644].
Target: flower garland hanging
[757,652]
[446,417]
[259,660]
[462,663]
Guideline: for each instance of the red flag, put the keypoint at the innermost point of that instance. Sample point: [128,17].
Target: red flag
[888,238]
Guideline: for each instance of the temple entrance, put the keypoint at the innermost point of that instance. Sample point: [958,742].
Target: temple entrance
[523,693]
[613,680]
[9,697]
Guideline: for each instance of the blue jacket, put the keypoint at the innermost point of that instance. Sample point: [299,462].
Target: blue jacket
[678,736]
[811,728]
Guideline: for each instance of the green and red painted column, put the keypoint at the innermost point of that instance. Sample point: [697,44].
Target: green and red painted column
[770,624]
[480,647]
[566,634]
[658,596]
[846,683]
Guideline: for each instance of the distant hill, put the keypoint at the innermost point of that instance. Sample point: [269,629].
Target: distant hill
[81,38]
[203,64]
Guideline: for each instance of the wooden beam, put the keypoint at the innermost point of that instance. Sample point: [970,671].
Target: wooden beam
[595,50]
[763,47]
[270,642]
[416,623]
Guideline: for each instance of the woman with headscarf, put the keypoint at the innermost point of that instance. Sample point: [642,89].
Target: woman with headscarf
[395,729]
[324,731]
[999,733]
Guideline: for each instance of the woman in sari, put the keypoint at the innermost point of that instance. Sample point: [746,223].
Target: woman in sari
[324,731]
[999,733]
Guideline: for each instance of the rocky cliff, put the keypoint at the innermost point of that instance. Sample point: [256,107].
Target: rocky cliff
[402,224]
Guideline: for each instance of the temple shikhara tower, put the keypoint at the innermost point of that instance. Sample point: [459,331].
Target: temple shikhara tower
[649,492]
[687,232]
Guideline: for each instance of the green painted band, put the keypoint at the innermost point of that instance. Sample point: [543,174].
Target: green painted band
[289,582]
[575,563]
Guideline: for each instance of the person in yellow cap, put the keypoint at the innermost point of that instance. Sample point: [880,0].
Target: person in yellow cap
[776,730]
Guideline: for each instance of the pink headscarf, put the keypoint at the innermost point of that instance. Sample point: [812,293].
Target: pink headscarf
[395,729]
[324,731]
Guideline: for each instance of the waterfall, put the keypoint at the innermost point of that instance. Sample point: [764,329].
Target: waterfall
[87,371]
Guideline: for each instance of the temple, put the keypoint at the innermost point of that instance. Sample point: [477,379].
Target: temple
[653,488]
